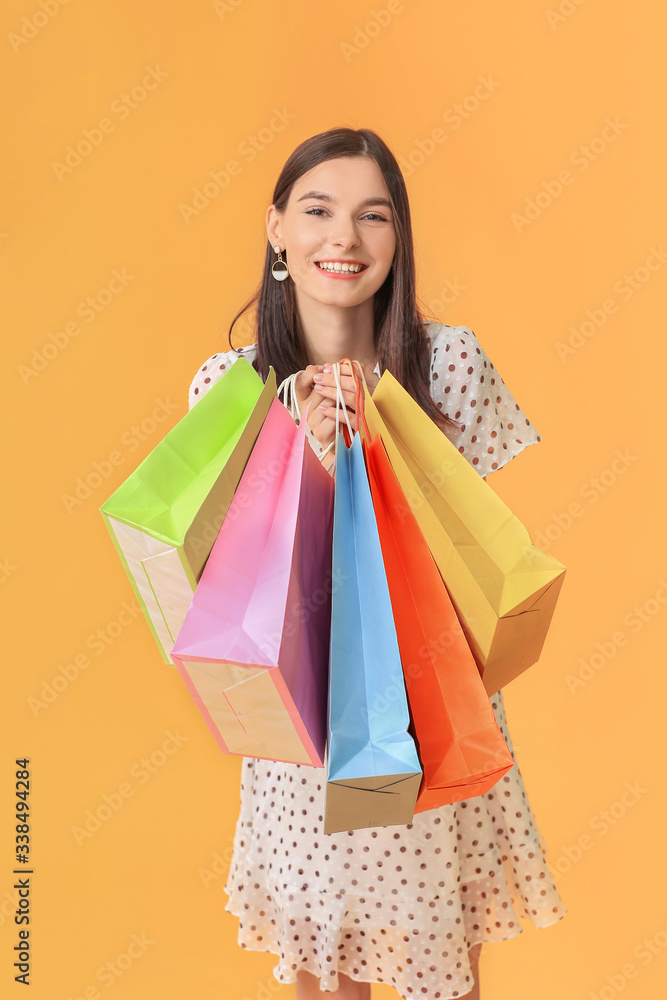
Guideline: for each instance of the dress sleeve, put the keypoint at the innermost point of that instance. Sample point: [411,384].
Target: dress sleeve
[467,386]
[212,369]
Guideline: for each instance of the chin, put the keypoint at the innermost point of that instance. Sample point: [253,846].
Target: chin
[342,295]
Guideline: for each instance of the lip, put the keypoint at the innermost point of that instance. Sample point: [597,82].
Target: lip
[340,275]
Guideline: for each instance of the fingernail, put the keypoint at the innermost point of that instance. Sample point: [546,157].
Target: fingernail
[318,378]
[327,368]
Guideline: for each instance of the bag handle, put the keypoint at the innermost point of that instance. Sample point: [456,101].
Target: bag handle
[359,398]
[359,406]
[287,387]
[348,432]
[290,401]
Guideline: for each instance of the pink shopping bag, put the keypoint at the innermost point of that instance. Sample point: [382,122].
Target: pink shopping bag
[253,648]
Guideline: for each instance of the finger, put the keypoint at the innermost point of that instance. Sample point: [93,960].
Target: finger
[346,382]
[303,382]
[331,395]
[330,409]
[326,388]
[327,375]
[346,369]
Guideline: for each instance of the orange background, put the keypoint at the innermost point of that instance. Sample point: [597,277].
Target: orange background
[220,73]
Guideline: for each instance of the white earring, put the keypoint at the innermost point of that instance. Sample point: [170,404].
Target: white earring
[279,275]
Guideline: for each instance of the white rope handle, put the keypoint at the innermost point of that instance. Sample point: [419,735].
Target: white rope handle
[340,399]
[290,401]
[288,388]
[325,451]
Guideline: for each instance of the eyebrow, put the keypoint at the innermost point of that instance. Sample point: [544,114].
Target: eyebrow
[323,196]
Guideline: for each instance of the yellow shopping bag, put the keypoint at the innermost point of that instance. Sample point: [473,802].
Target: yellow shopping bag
[503,587]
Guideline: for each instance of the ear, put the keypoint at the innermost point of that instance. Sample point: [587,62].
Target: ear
[273,230]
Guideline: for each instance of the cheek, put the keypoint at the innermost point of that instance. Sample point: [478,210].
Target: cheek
[383,252]
[302,257]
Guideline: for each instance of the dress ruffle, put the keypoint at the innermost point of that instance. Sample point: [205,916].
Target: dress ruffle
[398,904]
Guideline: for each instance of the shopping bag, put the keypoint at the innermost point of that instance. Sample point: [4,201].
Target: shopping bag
[254,647]
[503,587]
[164,518]
[373,772]
[461,748]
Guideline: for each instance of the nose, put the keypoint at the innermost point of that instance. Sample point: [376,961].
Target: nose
[344,234]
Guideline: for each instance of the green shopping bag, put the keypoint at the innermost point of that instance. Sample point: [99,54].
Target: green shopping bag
[165,517]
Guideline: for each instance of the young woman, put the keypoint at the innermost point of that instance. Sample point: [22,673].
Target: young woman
[404,905]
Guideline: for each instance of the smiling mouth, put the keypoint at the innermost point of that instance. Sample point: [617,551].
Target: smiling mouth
[340,267]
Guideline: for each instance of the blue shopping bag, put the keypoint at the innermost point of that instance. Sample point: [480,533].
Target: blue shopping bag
[373,772]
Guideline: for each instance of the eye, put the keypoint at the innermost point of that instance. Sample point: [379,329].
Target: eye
[311,211]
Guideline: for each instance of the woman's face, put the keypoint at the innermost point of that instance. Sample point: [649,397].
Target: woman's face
[338,211]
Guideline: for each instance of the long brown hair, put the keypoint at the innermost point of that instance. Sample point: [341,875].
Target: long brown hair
[401,342]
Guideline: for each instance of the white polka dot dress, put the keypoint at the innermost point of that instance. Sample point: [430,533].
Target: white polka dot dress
[397,904]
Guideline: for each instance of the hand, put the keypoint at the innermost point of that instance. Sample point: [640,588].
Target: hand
[316,385]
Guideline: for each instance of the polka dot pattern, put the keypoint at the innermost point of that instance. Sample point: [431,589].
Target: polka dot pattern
[467,387]
[213,368]
[396,904]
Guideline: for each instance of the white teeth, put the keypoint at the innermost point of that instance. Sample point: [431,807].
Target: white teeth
[337,266]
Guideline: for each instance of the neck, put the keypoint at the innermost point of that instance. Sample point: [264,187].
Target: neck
[331,332]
